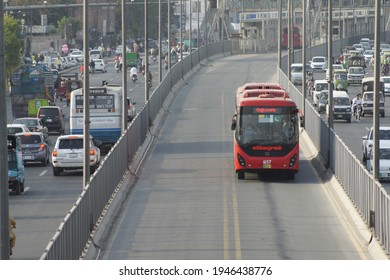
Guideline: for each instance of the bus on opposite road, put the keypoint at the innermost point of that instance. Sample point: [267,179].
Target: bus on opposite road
[266,135]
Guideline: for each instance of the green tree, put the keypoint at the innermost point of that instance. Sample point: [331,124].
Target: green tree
[68,27]
[13,44]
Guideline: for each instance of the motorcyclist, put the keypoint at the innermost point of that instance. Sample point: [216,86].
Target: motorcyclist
[385,68]
[134,73]
[357,101]
[117,65]
[92,66]
[120,63]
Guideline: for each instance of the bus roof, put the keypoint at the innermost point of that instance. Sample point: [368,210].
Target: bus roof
[263,85]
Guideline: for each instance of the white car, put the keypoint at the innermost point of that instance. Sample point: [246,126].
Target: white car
[319,86]
[68,153]
[359,47]
[296,71]
[384,160]
[16,128]
[355,75]
[78,55]
[318,63]
[367,140]
[368,54]
[386,84]
[100,65]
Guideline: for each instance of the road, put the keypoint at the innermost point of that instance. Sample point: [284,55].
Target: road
[352,133]
[187,203]
[47,199]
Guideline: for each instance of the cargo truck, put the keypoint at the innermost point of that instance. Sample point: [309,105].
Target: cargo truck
[30,85]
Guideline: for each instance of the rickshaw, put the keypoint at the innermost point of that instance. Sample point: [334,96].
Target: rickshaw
[71,82]
[71,85]
[340,80]
[368,84]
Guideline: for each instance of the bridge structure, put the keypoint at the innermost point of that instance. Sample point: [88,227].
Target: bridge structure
[75,230]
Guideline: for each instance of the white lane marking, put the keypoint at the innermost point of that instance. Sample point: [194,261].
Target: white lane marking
[43,173]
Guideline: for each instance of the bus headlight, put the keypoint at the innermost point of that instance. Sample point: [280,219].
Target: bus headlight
[293,160]
[241,160]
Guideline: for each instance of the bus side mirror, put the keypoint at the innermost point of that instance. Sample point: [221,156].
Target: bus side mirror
[234,122]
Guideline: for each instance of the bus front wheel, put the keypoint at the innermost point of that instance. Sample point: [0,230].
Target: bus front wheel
[241,175]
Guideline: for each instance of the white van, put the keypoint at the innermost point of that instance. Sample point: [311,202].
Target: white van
[341,106]
[319,86]
[95,54]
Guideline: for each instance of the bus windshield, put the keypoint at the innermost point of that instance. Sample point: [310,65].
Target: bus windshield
[267,126]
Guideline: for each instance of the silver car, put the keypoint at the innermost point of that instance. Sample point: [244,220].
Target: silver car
[34,147]
[34,125]
[296,71]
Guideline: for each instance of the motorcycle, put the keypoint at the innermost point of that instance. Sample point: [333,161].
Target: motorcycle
[357,111]
[134,78]
[118,66]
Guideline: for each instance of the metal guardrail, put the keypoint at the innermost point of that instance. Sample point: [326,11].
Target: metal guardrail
[74,231]
[354,178]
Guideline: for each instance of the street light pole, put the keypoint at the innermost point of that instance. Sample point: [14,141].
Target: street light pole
[4,199]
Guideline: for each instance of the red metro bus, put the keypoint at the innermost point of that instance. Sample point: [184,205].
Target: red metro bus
[266,134]
[296,41]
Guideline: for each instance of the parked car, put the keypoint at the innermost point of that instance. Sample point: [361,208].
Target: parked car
[384,160]
[78,55]
[367,140]
[296,71]
[100,65]
[68,153]
[12,129]
[318,63]
[368,103]
[33,124]
[34,147]
[52,118]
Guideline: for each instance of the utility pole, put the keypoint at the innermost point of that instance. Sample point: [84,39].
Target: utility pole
[86,165]
[146,53]
[330,84]
[124,68]
[376,143]
[4,200]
